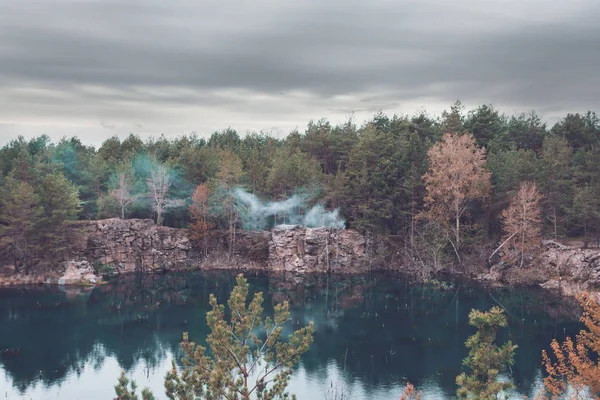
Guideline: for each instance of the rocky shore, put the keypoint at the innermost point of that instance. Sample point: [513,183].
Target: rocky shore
[105,248]
[114,246]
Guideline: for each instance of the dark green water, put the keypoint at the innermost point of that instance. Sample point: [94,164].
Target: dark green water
[373,333]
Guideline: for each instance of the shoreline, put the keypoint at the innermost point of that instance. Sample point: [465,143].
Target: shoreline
[102,249]
[560,288]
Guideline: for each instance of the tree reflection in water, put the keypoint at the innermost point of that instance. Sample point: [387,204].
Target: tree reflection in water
[372,332]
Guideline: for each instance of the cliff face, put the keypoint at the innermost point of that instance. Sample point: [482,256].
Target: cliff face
[580,264]
[572,269]
[301,249]
[132,244]
[114,246]
[141,245]
[569,270]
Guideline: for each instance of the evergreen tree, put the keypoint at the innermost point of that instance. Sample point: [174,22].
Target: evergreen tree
[488,127]
[60,202]
[292,171]
[527,131]
[374,194]
[585,212]
[452,121]
[240,363]
[20,215]
[555,180]
[125,390]
[581,131]
[485,360]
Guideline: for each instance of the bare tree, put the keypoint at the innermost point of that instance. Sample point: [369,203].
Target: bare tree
[122,193]
[522,222]
[158,187]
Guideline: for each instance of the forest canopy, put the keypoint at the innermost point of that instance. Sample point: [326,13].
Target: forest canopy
[381,175]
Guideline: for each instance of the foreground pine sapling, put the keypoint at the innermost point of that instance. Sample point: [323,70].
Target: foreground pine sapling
[485,360]
[240,363]
[125,390]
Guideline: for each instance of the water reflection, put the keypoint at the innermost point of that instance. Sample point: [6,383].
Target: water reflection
[373,333]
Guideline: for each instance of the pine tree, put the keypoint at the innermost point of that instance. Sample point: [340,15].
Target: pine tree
[585,211]
[556,172]
[240,364]
[292,170]
[125,390]
[485,360]
[60,201]
[20,214]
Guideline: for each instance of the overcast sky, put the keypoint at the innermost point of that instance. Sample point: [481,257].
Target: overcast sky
[96,68]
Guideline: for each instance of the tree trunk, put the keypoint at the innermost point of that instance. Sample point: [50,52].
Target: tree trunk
[205,235]
[457,232]
[555,230]
[412,216]
[523,229]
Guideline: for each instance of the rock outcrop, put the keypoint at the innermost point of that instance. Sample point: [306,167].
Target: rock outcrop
[582,265]
[136,245]
[132,244]
[114,246]
[306,250]
[570,270]
[79,273]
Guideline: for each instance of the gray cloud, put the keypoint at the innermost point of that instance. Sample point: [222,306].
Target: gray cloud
[96,67]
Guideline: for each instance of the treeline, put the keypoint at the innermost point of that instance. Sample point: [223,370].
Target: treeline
[376,174]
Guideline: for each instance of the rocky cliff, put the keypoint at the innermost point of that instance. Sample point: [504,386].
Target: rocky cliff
[301,250]
[141,245]
[570,270]
[115,246]
[131,244]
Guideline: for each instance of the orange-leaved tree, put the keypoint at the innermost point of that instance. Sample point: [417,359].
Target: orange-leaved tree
[521,223]
[457,176]
[200,229]
[576,369]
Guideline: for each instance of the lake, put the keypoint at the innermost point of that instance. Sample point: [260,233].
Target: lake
[373,333]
